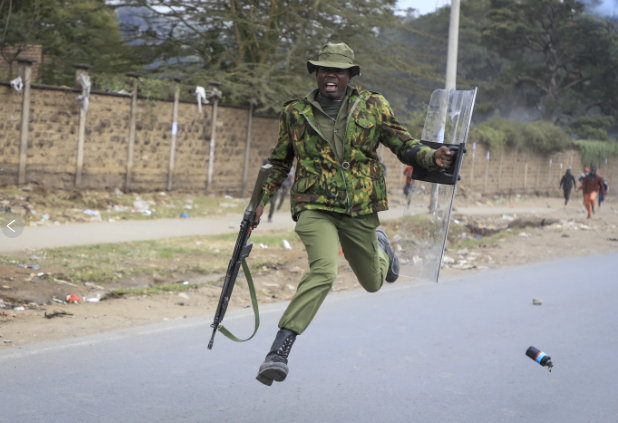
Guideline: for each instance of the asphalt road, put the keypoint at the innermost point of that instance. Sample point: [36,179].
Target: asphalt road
[448,352]
[34,238]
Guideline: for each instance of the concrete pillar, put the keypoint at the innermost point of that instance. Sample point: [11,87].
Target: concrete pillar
[614,176]
[25,71]
[500,169]
[131,146]
[453,43]
[170,169]
[538,175]
[245,173]
[81,133]
[472,164]
[526,174]
[214,96]
[486,172]
[513,174]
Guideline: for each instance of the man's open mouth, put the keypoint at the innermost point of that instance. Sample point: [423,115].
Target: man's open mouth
[331,87]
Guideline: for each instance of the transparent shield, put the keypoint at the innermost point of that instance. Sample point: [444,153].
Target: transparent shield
[421,236]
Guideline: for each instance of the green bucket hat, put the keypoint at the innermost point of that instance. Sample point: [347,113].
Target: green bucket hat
[338,56]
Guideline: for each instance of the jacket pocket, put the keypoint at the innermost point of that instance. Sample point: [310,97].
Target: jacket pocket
[304,190]
[303,185]
[365,121]
[364,136]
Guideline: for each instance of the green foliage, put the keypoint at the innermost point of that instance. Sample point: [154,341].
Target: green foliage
[416,123]
[594,153]
[152,290]
[591,128]
[541,137]
[259,49]
[148,86]
[562,61]
[530,59]
[70,31]
[498,132]
[427,35]
[470,242]
[485,108]
[545,137]
[492,138]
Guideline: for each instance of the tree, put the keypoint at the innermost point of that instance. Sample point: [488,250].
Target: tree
[478,65]
[70,31]
[561,59]
[258,48]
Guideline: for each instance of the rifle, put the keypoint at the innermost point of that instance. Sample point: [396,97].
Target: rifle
[242,249]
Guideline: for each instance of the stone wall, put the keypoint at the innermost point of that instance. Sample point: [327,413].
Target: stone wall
[10,118]
[506,172]
[52,149]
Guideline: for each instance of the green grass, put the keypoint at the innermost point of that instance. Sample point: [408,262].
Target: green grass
[166,258]
[68,206]
[423,227]
[475,242]
[152,290]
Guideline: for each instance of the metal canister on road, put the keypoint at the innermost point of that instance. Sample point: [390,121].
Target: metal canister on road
[540,357]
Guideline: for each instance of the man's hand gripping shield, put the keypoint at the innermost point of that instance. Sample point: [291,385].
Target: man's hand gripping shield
[421,237]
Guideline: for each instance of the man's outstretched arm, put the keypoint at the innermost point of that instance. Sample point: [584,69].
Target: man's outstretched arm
[409,151]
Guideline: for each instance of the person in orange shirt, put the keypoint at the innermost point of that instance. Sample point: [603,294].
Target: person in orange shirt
[408,188]
[591,185]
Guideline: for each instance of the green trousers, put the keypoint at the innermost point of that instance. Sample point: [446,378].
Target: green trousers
[321,231]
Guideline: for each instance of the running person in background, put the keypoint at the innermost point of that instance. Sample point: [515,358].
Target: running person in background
[581,178]
[567,183]
[285,188]
[273,200]
[601,194]
[408,188]
[591,185]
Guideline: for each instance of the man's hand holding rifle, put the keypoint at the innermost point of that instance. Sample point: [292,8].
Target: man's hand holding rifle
[242,249]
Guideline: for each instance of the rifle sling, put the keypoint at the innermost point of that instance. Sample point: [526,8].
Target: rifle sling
[254,303]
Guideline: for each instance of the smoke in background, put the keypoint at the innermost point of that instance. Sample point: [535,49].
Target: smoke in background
[607,8]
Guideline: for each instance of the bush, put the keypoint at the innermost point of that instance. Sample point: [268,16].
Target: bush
[544,137]
[540,137]
[492,138]
[587,128]
[594,153]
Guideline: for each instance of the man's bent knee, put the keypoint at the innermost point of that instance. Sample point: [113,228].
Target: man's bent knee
[372,285]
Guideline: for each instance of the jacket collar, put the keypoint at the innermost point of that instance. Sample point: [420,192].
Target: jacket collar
[351,92]
[312,95]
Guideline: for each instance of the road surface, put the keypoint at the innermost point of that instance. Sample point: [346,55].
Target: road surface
[448,352]
[34,238]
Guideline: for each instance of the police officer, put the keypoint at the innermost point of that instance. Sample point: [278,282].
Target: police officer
[339,188]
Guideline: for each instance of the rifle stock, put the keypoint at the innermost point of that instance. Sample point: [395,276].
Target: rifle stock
[242,249]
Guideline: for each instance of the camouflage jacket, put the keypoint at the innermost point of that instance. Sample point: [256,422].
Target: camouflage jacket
[354,186]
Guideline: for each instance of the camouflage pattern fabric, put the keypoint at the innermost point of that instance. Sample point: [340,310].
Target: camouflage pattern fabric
[355,186]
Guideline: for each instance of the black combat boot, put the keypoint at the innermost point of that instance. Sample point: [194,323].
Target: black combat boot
[275,366]
[393,260]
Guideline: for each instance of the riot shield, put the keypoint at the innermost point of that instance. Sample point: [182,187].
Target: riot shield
[421,235]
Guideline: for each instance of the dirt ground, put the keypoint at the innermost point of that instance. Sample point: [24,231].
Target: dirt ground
[569,235]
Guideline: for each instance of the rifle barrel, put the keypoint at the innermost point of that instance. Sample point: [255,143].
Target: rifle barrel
[241,251]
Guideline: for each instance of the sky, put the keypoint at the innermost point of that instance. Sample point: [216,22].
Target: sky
[604,7]
[423,6]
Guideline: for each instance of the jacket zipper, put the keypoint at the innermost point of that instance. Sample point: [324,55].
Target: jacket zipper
[347,122]
[345,185]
